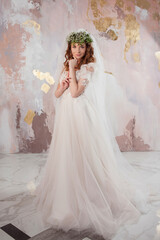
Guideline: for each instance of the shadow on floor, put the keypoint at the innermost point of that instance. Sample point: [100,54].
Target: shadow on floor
[53,234]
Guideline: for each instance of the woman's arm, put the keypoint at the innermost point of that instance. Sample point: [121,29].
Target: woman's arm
[59,91]
[62,86]
[76,87]
[73,82]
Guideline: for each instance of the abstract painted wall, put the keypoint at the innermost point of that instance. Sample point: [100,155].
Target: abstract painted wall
[31,36]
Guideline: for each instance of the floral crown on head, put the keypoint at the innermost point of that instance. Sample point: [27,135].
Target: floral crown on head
[79,37]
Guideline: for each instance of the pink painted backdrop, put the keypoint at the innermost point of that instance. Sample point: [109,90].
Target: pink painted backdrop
[31,36]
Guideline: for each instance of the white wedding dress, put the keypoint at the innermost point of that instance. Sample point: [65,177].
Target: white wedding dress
[82,188]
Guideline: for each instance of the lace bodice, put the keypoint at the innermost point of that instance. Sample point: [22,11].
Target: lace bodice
[85,73]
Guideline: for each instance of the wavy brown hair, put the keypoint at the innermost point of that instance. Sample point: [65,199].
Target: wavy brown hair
[87,58]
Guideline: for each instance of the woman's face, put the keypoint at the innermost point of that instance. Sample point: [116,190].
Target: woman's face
[78,50]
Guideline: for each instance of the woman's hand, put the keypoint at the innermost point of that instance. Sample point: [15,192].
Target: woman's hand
[72,63]
[65,83]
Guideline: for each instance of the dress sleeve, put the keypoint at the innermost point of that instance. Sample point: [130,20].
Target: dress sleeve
[84,76]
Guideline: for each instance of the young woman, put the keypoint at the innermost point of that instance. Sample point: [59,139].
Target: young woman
[77,55]
[87,184]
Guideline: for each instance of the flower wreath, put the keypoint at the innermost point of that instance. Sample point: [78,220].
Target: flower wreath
[79,37]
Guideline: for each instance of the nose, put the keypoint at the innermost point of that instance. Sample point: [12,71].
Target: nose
[78,49]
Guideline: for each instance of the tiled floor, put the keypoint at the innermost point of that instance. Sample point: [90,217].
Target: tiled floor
[11,232]
[19,175]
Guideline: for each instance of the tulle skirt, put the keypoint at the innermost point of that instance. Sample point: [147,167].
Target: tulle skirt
[81,187]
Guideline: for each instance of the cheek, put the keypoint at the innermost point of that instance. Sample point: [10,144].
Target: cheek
[73,51]
[84,50]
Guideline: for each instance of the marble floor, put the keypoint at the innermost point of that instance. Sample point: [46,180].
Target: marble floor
[19,176]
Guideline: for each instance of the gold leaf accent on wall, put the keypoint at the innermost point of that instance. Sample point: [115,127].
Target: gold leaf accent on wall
[95,10]
[156,16]
[102,2]
[128,8]
[103,24]
[38,74]
[45,87]
[143,4]
[50,79]
[34,24]
[136,57]
[157,54]
[108,72]
[120,3]
[44,75]
[29,117]
[112,35]
[132,33]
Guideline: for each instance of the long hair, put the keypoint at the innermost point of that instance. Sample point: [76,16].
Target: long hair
[87,58]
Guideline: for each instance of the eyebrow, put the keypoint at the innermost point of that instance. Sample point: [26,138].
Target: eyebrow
[82,44]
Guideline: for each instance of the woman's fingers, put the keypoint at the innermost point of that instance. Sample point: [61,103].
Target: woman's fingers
[65,83]
[75,59]
[67,80]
